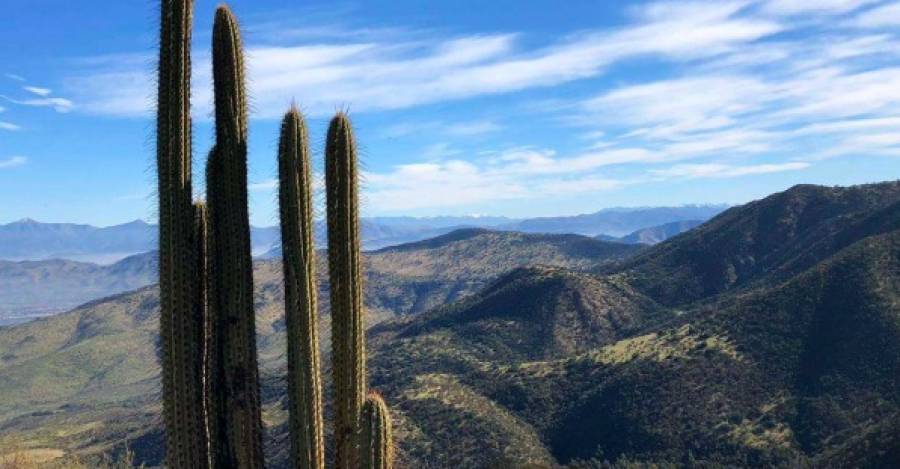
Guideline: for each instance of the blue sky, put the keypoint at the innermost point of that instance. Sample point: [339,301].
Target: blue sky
[504,108]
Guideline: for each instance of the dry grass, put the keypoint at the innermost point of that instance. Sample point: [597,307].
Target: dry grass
[52,458]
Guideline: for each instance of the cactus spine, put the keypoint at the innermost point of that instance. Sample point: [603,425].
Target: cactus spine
[347,342]
[300,294]
[234,398]
[376,450]
[181,322]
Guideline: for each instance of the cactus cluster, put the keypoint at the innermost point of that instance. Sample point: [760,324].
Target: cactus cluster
[211,401]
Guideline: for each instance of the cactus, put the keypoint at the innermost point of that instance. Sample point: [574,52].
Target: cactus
[347,342]
[234,390]
[300,294]
[181,322]
[211,400]
[376,450]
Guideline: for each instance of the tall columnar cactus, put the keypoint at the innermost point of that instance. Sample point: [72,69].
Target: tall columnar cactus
[237,442]
[300,294]
[347,341]
[376,448]
[181,325]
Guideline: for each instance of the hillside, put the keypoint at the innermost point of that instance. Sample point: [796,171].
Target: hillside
[45,287]
[766,240]
[798,370]
[791,362]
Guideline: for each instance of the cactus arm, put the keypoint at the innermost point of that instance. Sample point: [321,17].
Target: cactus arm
[300,294]
[376,448]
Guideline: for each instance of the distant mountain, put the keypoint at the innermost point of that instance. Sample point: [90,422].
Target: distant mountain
[31,240]
[34,288]
[412,277]
[654,234]
[618,221]
[658,234]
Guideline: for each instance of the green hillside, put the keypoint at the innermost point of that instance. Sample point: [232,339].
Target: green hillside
[769,336]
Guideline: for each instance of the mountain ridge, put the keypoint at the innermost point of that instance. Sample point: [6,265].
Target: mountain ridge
[112,243]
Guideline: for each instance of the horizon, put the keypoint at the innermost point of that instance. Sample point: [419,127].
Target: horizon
[400,217]
[538,113]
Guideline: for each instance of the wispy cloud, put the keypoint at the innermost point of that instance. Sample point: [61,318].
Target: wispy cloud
[14,77]
[468,129]
[438,128]
[263,186]
[882,16]
[13,162]
[736,86]
[38,91]
[515,173]
[394,75]
[801,7]
[9,126]
[718,170]
[61,105]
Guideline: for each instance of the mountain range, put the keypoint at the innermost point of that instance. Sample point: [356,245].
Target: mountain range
[31,240]
[768,336]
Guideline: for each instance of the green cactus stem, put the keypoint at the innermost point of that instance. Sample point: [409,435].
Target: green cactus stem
[376,448]
[347,342]
[300,294]
[181,325]
[234,386]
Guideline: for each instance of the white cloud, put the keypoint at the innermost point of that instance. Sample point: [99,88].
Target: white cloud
[516,173]
[879,17]
[718,170]
[468,129]
[61,105]
[13,162]
[439,151]
[14,77]
[673,106]
[9,126]
[803,7]
[38,91]
[435,128]
[263,186]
